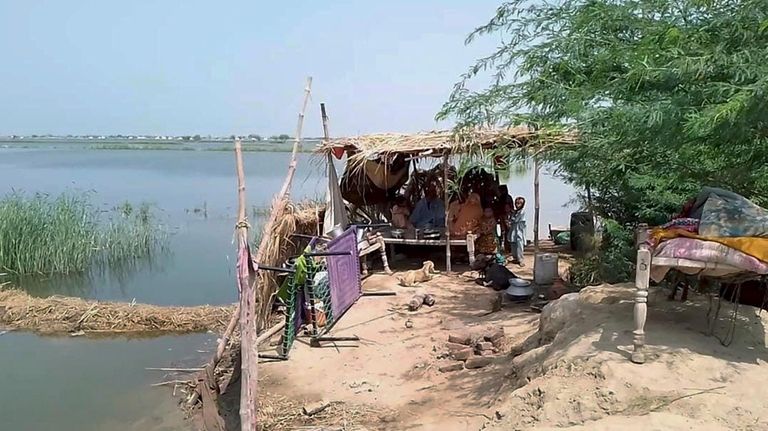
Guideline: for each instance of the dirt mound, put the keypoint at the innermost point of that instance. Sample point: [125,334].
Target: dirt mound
[60,314]
[576,373]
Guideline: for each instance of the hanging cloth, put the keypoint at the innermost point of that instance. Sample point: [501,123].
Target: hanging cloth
[335,210]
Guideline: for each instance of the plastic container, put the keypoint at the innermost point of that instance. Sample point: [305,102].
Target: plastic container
[545,268]
[582,231]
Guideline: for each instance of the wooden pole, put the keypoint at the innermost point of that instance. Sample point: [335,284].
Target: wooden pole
[445,204]
[326,134]
[249,350]
[537,204]
[277,209]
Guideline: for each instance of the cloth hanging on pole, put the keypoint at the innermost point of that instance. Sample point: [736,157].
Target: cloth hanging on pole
[335,210]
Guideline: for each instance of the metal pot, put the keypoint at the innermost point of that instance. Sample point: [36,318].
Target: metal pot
[519,289]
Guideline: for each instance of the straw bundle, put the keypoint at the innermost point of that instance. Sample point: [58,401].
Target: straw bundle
[301,218]
[60,314]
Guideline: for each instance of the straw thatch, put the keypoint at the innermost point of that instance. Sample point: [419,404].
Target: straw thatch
[436,142]
[61,314]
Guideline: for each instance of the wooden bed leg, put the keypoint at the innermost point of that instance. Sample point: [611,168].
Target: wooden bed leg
[383,250]
[641,303]
[471,247]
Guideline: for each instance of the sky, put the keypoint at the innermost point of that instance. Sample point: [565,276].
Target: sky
[179,67]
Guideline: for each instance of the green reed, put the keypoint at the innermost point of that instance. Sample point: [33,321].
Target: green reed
[41,234]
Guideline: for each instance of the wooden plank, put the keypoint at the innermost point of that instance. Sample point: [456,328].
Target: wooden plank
[673,262]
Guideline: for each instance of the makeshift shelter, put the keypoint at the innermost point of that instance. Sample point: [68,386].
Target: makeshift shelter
[439,144]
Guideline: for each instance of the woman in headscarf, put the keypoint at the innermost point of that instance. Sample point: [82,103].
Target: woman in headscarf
[464,216]
[517,231]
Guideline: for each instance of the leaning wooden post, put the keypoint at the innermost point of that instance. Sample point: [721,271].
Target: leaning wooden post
[642,278]
[536,204]
[249,351]
[445,204]
[277,210]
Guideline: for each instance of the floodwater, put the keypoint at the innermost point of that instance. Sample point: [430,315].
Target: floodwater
[93,384]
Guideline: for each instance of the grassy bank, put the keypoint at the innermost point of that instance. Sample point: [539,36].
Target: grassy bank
[41,234]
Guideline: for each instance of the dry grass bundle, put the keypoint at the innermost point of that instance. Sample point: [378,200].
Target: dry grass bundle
[300,218]
[60,314]
[279,413]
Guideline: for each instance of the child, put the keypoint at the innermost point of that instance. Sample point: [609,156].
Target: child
[401,213]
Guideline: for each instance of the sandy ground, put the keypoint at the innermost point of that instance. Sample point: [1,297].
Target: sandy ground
[577,376]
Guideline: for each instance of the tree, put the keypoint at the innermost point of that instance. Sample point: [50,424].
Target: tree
[196,138]
[667,96]
[255,137]
[284,137]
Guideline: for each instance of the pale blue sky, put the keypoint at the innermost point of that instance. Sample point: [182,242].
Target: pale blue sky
[189,66]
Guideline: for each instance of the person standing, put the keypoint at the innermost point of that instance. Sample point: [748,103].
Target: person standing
[517,231]
[502,208]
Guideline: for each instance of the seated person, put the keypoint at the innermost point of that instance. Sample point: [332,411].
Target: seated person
[429,212]
[465,214]
[486,242]
[400,213]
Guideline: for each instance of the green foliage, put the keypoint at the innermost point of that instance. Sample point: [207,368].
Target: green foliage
[41,234]
[611,262]
[667,96]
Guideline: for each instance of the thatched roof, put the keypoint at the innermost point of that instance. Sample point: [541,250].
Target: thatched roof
[436,142]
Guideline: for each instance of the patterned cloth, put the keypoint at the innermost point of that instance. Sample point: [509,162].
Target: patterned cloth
[725,216]
[686,224]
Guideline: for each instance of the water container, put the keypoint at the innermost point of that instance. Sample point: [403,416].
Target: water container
[545,268]
[582,231]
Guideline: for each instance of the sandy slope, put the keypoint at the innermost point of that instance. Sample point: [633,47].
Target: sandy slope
[579,379]
[583,379]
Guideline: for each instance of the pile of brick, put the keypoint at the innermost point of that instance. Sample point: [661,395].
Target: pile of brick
[471,350]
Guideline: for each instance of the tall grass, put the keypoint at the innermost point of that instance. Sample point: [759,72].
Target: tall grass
[41,234]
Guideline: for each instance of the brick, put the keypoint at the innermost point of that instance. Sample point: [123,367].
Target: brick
[452,347]
[484,345]
[462,337]
[494,335]
[478,362]
[451,366]
[462,355]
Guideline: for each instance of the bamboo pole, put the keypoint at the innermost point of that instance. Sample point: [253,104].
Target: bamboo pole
[537,204]
[250,357]
[277,209]
[445,204]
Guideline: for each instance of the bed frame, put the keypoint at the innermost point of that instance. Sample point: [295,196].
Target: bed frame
[642,280]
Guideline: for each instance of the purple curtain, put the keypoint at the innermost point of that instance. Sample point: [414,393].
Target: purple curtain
[344,273]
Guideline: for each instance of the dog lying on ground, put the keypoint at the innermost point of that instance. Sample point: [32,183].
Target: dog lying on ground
[491,273]
[416,276]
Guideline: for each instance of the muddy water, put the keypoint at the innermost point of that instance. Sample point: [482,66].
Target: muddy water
[86,384]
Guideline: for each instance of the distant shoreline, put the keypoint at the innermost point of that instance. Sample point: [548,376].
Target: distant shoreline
[132,144]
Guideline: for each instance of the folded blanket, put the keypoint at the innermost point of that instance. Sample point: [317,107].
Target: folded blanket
[709,252]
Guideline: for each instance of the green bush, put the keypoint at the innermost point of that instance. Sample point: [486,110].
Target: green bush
[613,261]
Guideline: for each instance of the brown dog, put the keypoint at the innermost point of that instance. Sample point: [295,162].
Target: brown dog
[416,276]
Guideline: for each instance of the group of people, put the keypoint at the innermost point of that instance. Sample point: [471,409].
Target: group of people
[485,210]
